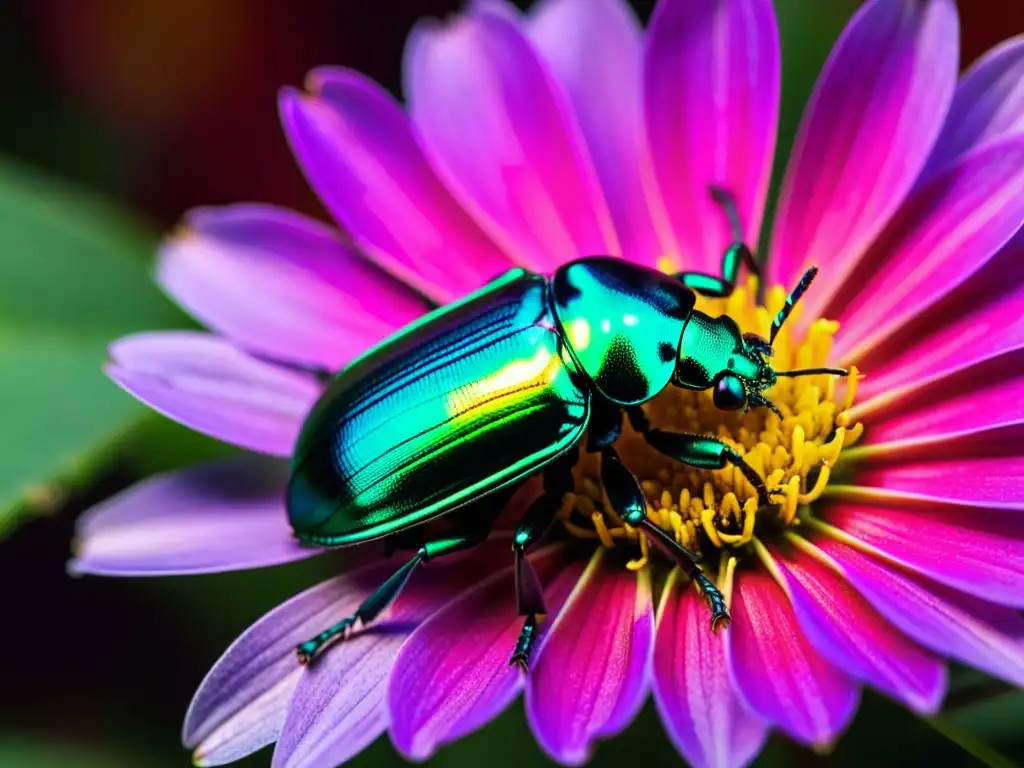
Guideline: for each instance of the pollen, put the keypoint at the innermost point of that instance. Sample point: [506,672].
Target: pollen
[717,510]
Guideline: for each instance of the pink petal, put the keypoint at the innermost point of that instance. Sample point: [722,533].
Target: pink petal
[989,104]
[240,705]
[985,481]
[778,673]
[697,701]
[847,631]
[947,229]
[875,113]
[209,385]
[503,134]
[977,551]
[977,322]
[364,159]
[605,93]
[224,516]
[967,629]
[590,679]
[453,675]
[282,285]
[711,103]
[339,707]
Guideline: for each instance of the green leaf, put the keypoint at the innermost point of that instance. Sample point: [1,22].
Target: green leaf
[73,277]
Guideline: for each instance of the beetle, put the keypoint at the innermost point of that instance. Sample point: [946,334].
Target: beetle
[478,396]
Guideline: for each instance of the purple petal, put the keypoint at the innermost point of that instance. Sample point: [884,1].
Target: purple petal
[979,552]
[944,233]
[989,104]
[445,683]
[224,516]
[697,701]
[875,113]
[503,134]
[605,93]
[282,285]
[212,387]
[364,160]
[339,706]
[711,103]
[778,673]
[240,705]
[590,679]
[967,629]
[847,631]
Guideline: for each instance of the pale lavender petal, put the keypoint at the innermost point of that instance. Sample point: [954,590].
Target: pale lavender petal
[224,516]
[711,105]
[945,232]
[502,132]
[591,676]
[206,383]
[977,551]
[847,631]
[875,114]
[697,700]
[972,631]
[989,103]
[604,89]
[281,285]
[241,704]
[364,159]
[778,673]
[453,675]
[339,706]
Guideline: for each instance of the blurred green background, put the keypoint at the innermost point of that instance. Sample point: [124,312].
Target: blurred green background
[121,115]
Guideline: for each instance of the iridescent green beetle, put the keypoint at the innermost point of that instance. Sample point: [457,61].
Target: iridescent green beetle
[478,396]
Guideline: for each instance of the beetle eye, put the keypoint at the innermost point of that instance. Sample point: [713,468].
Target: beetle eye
[729,394]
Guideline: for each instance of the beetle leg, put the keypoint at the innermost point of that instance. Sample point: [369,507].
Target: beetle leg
[736,254]
[386,592]
[627,499]
[535,523]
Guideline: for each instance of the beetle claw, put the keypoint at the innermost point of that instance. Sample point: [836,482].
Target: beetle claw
[521,660]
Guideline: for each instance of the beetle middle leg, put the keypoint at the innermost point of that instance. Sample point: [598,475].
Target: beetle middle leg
[735,255]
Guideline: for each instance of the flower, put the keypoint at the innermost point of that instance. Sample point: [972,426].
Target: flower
[535,139]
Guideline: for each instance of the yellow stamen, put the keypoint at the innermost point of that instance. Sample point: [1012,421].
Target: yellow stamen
[718,509]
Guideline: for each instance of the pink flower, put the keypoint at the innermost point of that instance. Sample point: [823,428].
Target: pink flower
[536,139]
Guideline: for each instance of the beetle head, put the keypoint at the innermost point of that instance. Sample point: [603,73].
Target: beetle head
[737,366]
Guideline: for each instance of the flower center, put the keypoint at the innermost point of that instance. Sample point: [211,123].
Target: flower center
[708,510]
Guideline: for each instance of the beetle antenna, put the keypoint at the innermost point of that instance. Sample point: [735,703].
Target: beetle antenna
[813,372]
[791,301]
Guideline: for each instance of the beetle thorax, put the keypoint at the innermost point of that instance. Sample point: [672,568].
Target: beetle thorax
[717,510]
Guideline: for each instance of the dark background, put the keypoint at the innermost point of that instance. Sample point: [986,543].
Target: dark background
[162,105]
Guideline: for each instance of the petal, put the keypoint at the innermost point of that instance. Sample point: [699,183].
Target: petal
[977,551]
[711,103]
[847,631]
[590,678]
[989,103]
[1000,439]
[697,701]
[240,705]
[282,285]
[967,629]
[778,673]
[453,675]
[212,387]
[339,705]
[875,113]
[364,159]
[944,233]
[224,516]
[977,322]
[605,92]
[502,133]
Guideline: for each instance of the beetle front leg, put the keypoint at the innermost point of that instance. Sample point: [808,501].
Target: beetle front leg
[627,499]
[531,529]
[736,254]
